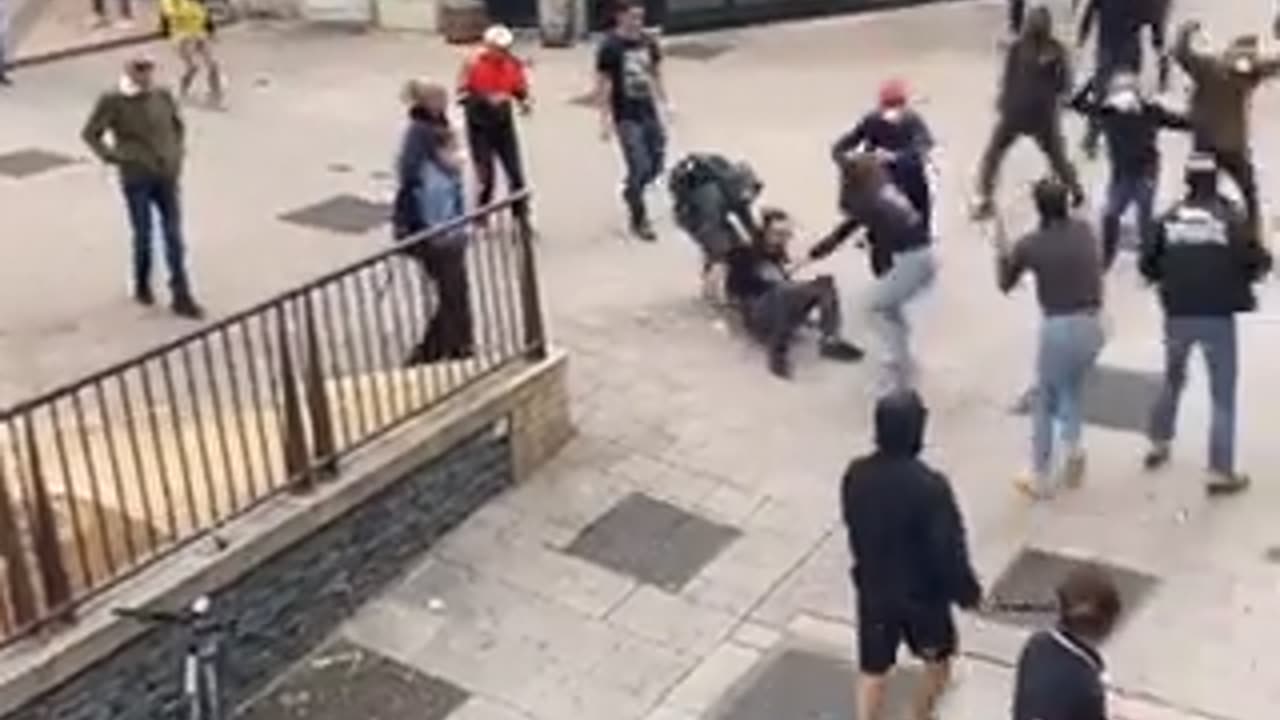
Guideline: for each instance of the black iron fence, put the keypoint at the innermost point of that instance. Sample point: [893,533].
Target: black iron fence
[107,474]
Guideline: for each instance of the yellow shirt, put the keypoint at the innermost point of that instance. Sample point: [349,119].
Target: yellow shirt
[187,18]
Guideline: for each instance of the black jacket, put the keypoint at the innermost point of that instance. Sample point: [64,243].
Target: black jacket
[1131,136]
[1037,76]
[1205,259]
[753,271]
[905,531]
[1059,678]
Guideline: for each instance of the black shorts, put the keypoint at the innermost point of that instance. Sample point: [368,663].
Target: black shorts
[930,633]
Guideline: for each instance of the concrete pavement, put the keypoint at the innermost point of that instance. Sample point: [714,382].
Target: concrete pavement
[529,607]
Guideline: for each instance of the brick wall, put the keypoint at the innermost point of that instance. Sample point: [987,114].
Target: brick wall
[288,603]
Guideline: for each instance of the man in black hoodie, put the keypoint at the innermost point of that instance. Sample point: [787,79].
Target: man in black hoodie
[1037,77]
[1059,673]
[1204,257]
[911,560]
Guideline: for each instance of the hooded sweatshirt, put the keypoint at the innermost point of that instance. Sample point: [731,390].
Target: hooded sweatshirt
[1037,73]
[1223,89]
[904,528]
[1059,678]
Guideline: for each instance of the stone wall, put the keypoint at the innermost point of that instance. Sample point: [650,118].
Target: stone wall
[296,572]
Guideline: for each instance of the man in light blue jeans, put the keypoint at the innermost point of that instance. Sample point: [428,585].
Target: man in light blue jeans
[1065,256]
[1204,257]
[912,273]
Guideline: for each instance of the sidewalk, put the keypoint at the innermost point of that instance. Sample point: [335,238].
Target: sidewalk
[683,558]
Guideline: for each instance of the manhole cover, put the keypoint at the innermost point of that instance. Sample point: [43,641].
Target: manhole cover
[345,681]
[347,214]
[1115,398]
[1024,596]
[652,541]
[27,162]
[809,685]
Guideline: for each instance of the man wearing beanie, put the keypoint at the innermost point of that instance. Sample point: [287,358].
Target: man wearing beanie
[910,557]
[1204,258]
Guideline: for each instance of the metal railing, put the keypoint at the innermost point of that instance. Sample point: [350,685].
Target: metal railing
[107,474]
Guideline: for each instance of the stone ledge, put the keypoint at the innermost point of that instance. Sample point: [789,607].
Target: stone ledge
[31,668]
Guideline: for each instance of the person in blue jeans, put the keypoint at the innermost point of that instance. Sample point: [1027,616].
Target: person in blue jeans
[1066,259]
[147,146]
[1131,125]
[1204,259]
[629,90]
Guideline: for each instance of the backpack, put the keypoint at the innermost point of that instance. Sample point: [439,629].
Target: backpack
[738,182]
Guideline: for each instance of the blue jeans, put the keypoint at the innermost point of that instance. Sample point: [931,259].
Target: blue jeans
[1069,347]
[1123,191]
[912,273]
[1216,337]
[141,194]
[644,145]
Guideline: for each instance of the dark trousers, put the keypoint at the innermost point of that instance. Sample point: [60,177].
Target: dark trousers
[142,194]
[775,316]
[1017,13]
[644,147]
[1238,165]
[450,333]
[1124,190]
[1047,135]
[909,176]
[494,142]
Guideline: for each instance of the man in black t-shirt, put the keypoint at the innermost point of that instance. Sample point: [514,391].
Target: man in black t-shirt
[628,90]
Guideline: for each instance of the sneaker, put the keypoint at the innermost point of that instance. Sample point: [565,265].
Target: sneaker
[1073,470]
[780,365]
[1157,457]
[187,307]
[840,350]
[643,230]
[1221,484]
[144,296]
[1032,488]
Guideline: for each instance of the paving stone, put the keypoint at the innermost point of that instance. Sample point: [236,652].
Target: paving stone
[1116,398]
[803,684]
[346,214]
[1024,594]
[28,162]
[344,681]
[652,541]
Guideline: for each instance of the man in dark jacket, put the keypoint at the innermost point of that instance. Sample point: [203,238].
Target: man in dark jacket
[899,137]
[910,555]
[901,257]
[147,138]
[1059,674]
[1131,124]
[1222,93]
[1204,258]
[774,305]
[712,200]
[1037,76]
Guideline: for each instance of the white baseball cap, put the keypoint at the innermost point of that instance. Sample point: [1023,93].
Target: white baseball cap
[498,36]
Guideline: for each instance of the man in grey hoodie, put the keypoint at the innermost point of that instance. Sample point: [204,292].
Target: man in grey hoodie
[146,145]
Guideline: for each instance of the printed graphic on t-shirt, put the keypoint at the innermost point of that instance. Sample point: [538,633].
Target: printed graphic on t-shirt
[637,73]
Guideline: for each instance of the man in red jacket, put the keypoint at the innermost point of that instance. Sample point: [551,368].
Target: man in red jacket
[491,85]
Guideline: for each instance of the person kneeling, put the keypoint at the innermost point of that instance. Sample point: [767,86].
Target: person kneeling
[774,305]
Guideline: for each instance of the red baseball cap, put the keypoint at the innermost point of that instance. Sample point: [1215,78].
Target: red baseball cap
[893,93]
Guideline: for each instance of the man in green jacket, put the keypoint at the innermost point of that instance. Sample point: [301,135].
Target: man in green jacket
[136,127]
[1221,98]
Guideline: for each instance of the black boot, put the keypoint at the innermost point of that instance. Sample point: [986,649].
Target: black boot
[143,296]
[185,306]
[780,364]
